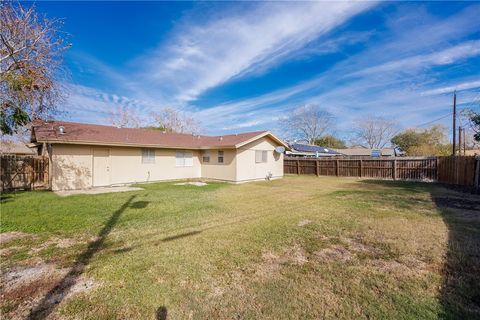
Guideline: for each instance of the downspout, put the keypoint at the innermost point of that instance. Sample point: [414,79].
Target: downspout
[47,150]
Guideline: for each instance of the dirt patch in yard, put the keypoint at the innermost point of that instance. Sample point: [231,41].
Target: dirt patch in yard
[10,236]
[336,253]
[61,243]
[304,222]
[22,288]
[356,245]
[272,263]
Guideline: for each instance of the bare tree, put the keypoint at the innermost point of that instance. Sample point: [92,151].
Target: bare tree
[31,62]
[373,132]
[171,120]
[123,117]
[470,121]
[308,122]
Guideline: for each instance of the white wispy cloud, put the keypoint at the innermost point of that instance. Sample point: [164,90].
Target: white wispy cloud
[200,57]
[449,89]
[447,56]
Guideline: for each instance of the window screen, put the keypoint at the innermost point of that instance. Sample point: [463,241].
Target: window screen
[260,156]
[220,156]
[264,156]
[184,159]
[188,159]
[206,156]
[148,156]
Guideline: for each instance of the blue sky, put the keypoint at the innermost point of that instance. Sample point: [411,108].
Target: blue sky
[241,66]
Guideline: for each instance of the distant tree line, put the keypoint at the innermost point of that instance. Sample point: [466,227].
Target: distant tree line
[315,125]
[167,119]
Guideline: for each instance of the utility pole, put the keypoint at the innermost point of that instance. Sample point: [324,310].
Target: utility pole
[459,140]
[454,121]
[464,143]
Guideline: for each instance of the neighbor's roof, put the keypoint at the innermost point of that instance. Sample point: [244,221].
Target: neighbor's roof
[11,147]
[82,133]
[311,148]
[365,151]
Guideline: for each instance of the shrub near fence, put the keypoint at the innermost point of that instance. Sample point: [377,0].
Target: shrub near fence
[23,173]
[463,171]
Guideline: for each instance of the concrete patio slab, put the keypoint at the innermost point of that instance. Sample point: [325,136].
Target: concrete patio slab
[194,183]
[97,190]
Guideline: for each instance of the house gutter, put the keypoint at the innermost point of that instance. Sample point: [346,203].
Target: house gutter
[156,146]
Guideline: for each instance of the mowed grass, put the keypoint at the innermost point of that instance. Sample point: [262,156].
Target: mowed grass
[296,248]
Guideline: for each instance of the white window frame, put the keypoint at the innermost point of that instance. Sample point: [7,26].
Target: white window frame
[148,156]
[221,155]
[183,158]
[261,156]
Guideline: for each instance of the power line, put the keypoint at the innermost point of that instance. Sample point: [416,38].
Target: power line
[432,121]
[445,115]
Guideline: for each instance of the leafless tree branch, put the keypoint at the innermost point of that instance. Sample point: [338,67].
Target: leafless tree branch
[308,122]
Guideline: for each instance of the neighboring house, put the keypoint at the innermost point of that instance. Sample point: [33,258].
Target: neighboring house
[367,152]
[308,150]
[88,155]
[472,152]
[16,148]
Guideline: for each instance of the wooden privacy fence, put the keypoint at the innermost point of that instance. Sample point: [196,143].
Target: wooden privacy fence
[23,173]
[462,171]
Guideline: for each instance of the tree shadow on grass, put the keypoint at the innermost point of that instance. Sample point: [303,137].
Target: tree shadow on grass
[460,293]
[179,236]
[5,197]
[161,313]
[60,291]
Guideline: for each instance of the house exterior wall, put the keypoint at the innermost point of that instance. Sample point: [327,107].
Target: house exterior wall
[248,169]
[72,165]
[220,171]
[127,166]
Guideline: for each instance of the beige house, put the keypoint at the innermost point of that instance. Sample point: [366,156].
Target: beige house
[87,155]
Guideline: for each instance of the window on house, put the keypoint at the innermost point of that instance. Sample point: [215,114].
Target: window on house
[206,156]
[261,156]
[148,156]
[184,159]
[220,156]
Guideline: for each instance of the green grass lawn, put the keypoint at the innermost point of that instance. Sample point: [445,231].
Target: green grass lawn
[296,248]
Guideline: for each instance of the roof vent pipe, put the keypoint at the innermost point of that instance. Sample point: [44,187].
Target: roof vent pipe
[61,129]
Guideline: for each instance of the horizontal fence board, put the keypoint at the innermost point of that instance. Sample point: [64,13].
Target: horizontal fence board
[460,170]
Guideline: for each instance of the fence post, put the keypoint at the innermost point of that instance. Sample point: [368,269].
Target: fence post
[394,168]
[298,167]
[32,172]
[477,173]
[317,169]
[336,168]
[361,168]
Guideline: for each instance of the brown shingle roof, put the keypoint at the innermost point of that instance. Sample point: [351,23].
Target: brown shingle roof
[107,135]
[10,147]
